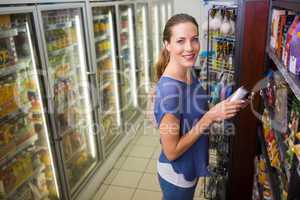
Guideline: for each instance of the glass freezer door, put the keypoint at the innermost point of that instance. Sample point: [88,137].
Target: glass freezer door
[107,84]
[169,9]
[26,164]
[164,18]
[155,38]
[127,70]
[64,40]
[143,60]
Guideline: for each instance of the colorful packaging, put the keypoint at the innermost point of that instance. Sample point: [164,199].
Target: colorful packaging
[289,36]
[274,29]
[294,63]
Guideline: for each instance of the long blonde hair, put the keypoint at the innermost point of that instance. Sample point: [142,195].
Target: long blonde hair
[164,56]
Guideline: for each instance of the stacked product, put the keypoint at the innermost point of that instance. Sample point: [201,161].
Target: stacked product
[103,37]
[280,130]
[25,163]
[285,40]
[67,82]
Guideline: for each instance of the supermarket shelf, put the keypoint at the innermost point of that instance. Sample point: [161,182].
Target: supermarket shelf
[287,4]
[108,112]
[20,65]
[124,30]
[100,17]
[273,185]
[64,25]
[282,150]
[291,79]
[8,33]
[62,51]
[75,154]
[221,70]
[106,85]
[21,111]
[224,38]
[124,14]
[103,57]
[102,37]
[19,148]
[27,179]
[124,47]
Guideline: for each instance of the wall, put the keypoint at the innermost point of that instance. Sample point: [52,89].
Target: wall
[192,7]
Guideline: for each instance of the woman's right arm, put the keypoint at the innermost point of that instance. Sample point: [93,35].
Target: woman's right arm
[174,146]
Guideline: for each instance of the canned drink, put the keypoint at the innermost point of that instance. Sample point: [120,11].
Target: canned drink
[239,94]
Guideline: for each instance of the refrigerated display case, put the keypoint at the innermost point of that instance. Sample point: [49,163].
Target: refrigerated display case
[104,41]
[63,37]
[155,26]
[127,71]
[163,19]
[142,46]
[169,9]
[27,170]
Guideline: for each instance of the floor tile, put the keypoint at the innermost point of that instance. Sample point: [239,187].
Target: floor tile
[149,182]
[152,167]
[128,150]
[110,177]
[147,195]
[156,153]
[200,188]
[120,162]
[134,140]
[148,141]
[150,131]
[141,151]
[135,164]
[100,192]
[117,193]
[127,179]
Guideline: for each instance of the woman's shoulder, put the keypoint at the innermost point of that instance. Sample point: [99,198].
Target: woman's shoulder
[169,85]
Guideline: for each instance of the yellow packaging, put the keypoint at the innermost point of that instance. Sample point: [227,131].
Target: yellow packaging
[298,136]
[4,58]
[45,158]
[5,21]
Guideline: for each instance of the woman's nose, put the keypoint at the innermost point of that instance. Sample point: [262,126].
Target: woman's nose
[188,46]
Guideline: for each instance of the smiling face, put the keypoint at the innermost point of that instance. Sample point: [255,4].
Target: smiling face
[184,45]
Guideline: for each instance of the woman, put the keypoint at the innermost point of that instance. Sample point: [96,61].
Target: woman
[180,111]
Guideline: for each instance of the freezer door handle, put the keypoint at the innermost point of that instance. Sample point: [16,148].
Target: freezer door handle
[58,138]
[91,73]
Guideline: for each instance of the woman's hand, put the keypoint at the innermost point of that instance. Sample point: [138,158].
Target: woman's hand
[225,109]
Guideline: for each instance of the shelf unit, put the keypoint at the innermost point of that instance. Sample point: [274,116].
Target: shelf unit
[30,177]
[17,149]
[20,65]
[220,146]
[63,51]
[271,178]
[63,25]
[8,33]
[103,57]
[101,37]
[287,177]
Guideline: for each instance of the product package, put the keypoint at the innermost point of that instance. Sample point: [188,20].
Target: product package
[294,63]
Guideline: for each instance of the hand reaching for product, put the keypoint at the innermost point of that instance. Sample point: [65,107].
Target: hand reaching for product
[226,109]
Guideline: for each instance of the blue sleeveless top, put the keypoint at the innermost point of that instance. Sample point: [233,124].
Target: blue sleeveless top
[187,102]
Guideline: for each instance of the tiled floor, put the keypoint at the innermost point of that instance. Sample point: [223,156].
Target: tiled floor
[133,176]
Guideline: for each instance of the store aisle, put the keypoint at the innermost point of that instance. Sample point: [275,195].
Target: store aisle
[133,176]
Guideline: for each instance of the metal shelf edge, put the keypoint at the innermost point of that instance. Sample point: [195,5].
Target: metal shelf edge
[290,78]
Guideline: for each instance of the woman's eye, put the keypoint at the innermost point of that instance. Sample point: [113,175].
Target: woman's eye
[195,39]
[180,41]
